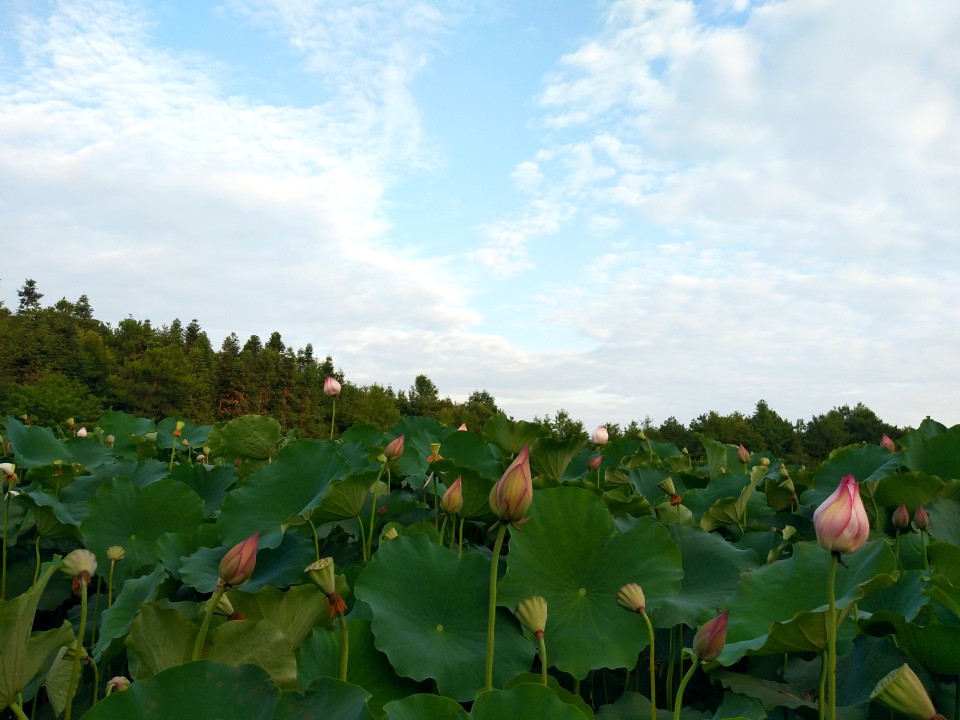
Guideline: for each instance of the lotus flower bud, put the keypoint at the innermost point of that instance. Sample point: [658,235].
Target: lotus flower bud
[322,574]
[463,426]
[631,597]
[841,520]
[390,534]
[202,459]
[331,388]
[452,501]
[921,519]
[82,432]
[115,553]
[394,449]
[901,518]
[224,606]
[532,613]
[711,637]
[886,442]
[594,462]
[117,684]
[510,498]
[237,565]
[600,436]
[178,430]
[110,440]
[765,462]
[901,691]
[79,562]
[71,423]
[743,455]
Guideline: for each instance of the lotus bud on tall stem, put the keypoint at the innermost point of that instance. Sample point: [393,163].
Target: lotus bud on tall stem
[115,554]
[492,607]
[331,388]
[532,613]
[236,567]
[8,470]
[631,597]
[367,543]
[177,432]
[707,644]
[922,520]
[81,565]
[323,576]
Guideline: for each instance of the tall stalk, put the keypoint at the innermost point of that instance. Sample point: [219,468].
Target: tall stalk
[832,637]
[492,610]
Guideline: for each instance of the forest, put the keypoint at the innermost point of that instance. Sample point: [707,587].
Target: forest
[59,362]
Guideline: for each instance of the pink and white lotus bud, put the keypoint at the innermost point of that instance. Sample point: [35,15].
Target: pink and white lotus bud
[532,614]
[743,455]
[901,691]
[394,449]
[463,426]
[921,518]
[600,436]
[510,498]
[201,458]
[331,388]
[452,501]
[886,442]
[594,462]
[901,518]
[841,520]
[82,432]
[117,684]
[711,637]
[237,565]
[631,598]
[78,562]
[8,469]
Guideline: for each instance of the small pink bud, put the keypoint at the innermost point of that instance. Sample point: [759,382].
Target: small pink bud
[463,426]
[921,519]
[452,501]
[711,637]
[82,432]
[331,388]
[117,684]
[886,442]
[841,520]
[511,496]
[394,449]
[743,454]
[901,518]
[594,462]
[600,436]
[237,565]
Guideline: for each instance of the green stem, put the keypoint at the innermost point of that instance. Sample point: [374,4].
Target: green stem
[113,564]
[333,417]
[832,637]
[460,549]
[363,540]
[653,677]
[3,540]
[36,554]
[208,613]
[678,705]
[821,705]
[96,682]
[173,451]
[316,540]
[436,506]
[923,545]
[96,617]
[373,515]
[75,672]
[492,609]
[543,660]
[670,670]
[344,648]
[896,550]
[443,531]
[18,711]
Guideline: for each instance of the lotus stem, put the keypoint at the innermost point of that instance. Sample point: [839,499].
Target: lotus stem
[316,540]
[36,554]
[543,659]
[208,613]
[344,647]
[333,416]
[678,704]
[460,548]
[923,546]
[368,542]
[18,711]
[96,682]
[113,564]
[653,676]
[3,541]
[821,706]
[832,637]
[75,671]
[492,610]
[443,531]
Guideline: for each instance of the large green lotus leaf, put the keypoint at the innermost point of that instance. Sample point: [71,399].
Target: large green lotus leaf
[468,450]
[509,435]
[936,455]
[646,480]
[344,498]
[559,690]
[238,642]
[296,612]
[88,452]
[34,446]
[528,701]
[933,646]
[711,575]
[119,616]
[430,616]
[776,606]
[248,437]
[141,473]
[319,656]
[859,671]
[420,706]
[210,483]
[133,518]
[24,655]
[769,693]
[326,698]
[725,486]
[911,489]
[196,435]
[633,705]
[946,594]
[173,548]
[945,521]
[127,432]
[904,597]
[717,456]
[201,689]
[945,560]
[161,638]
[866,463]
[550,457]
[739,707]
[571,554]
[476,494]
[281,492]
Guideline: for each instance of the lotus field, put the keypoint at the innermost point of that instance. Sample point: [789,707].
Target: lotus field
[170,570]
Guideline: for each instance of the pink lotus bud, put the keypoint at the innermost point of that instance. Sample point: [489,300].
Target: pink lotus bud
[886,442]
[743,454]
[711,637]
[452,500]
[841,520]
[82,432]
[331,388]
[921,519]
[117,684]
[511,496]
[594,462]
[7,469]
[237,565]
[600,435]
[901,518]
[394,449]
[463,426]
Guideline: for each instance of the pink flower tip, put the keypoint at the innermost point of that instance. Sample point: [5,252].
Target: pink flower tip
[841,520]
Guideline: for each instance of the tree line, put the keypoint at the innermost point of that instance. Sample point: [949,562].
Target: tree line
[59,362]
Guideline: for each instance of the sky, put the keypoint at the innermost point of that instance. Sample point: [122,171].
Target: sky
[624,209]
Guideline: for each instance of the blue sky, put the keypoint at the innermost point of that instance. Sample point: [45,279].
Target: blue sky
[624,209]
